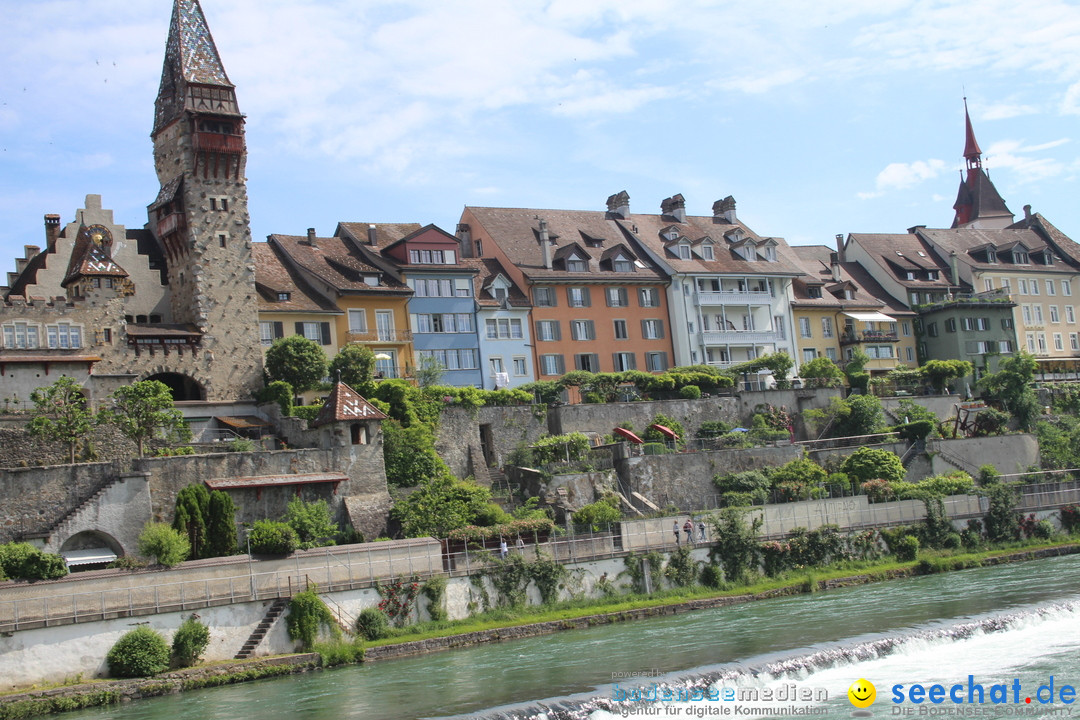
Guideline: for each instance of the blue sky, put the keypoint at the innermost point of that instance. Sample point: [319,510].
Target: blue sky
[819,118]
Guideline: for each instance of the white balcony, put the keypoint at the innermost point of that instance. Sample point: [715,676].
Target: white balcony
[740,337]
[735,297]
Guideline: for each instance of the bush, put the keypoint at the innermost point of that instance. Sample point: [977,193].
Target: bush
[307,613]
[869,463]
[712,576]
[878,490]
[190,642]
[312,523]
[272,538]
[713,428]
[372,624]
[654,448]
[140,653]
[339,652]
[601,513]
[24,561]
[690,392]
[158,540]
[280,392]
[1070,518]
[906,548]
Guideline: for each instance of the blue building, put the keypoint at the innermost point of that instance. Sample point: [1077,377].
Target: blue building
[442,310]
[502,322]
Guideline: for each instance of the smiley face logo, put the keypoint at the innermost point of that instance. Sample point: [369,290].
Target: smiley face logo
[862,693]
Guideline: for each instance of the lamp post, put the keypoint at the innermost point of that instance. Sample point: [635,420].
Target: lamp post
[251,569]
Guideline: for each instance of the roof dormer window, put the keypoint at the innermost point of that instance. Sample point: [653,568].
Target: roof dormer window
[1020,257]
[575,263]
[707,251]
[684,251]
[770,253]
[372,280]
[1048,258]
[672,235]
[931,274]
[991,256]
[283,296]
[813,292]
[623,264]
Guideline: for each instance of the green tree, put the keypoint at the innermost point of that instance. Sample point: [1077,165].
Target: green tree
[189,642]
[735,547]
[192,508]
[140,653]
[1011,386]
[857,378]
[267,537]
[354,365]
[409,454]
[858,415]
[599,514]
[312,522]
[60,414]
[940,372]
[871,463]
[440,505]
[822,370]
[160,541]
[144,410]
[221,525]
[296,360]
[429,371]
[1002,520]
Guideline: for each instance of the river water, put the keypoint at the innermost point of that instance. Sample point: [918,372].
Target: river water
[1018,622]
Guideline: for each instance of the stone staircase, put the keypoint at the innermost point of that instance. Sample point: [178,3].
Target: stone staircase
[84,506]
[272,614]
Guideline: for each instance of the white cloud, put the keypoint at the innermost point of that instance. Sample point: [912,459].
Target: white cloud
[900,176]
[1004,111]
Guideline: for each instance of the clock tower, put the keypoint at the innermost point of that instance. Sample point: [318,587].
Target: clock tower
[200,217]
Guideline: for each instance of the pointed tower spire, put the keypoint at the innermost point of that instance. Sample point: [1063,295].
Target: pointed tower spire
[971,147]
[193,77]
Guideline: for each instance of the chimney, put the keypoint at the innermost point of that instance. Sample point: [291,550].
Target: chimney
[52,230]
[545,244]
[464,235]
[311,237]
[724,211]
[954,263]
[841,256]
[619,205]
[1027,212]
[834,265]
[674,206]
[372,237]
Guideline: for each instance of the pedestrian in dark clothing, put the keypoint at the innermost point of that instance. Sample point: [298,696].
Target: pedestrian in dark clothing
[688,528]
[675,529]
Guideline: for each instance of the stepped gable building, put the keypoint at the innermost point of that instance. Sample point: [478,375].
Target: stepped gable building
[598,301]
[839,307]
[173,302]
[730,290]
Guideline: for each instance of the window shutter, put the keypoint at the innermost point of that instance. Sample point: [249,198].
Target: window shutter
[279,330]
[539,335]
[660,329]
[585,297]
[632,365]
[663,361]
[299,328]
[595,364]
[325,329]
[558,329]
[577,362]
[590,330]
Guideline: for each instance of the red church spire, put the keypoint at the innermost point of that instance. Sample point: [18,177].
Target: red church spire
[971,146]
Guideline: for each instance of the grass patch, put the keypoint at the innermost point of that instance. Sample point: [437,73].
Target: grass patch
[46,706]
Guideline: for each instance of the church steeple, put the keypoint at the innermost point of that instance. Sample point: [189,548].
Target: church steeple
[978,203]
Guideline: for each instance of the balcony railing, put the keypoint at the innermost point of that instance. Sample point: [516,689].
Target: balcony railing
[170,223]
[740,337]
[215,142]
[379,336]
[735,297]
[868,336]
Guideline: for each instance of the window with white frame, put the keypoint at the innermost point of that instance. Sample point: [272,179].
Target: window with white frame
[648,297]
[804,328]
[1066,288]
[620,330]
[808,354]
[503,328]
[684,251]
[617,297]
[357,321]
[1006,284]
[779,326]
[988,284]
[578,297]
[266,333]
[495,363]
[1030,338]
[624,361]
[1037,310]
[1070,314]
[1058,344]
[1025,310]
[548,331]
[543,297]
[64,335]
[656,361]
[576,263]
[826,327]
[623,264]
[1022,285]
[21,335]
[1054,317]
[707,251]
[1074,341]
[1041,342]
[1051,288]
[1005,347]
[906,328]
[552,365]
[831,353]
[520,366]
[1034,287]
[582,330]
[910,353]
[652,329]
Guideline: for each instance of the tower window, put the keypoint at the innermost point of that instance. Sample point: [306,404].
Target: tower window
[223,239]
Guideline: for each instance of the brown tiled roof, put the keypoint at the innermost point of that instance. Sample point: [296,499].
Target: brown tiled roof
[868,293]
[486,271]
[981,194]
[273,276]
[1065,245]
[968,244]
[338,263]
[517,232]
[696,228]
[345,404]
[897,253]
[386,234]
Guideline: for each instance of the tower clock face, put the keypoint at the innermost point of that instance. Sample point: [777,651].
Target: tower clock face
[100,235]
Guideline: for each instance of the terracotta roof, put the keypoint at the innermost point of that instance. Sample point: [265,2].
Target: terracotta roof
[867,292]
[969,245]
[338,263]
[517,233]
[1066,246]
[487,269]
[273,277]
[386,234]
[696,229]
[899,253]
[345,404]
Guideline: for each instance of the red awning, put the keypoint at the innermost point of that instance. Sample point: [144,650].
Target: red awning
[623,432]
[666,431]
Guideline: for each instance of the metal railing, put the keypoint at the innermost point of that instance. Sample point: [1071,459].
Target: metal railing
[341,568]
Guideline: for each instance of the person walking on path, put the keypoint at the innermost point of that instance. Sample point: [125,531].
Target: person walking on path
[502,549]
[688,528]
[675,529]
[701,530]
